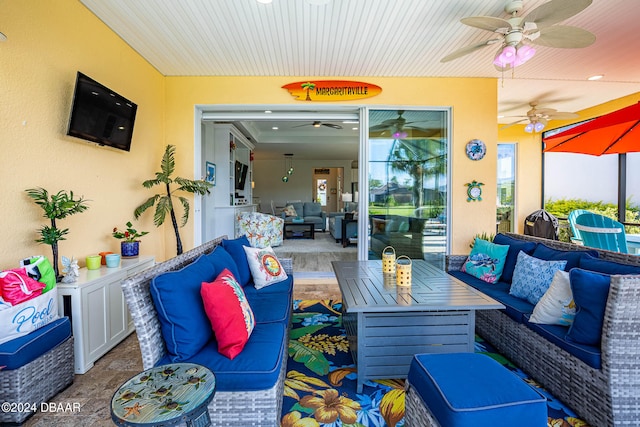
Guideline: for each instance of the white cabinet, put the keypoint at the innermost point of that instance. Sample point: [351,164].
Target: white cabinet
[99,314]
[231,152]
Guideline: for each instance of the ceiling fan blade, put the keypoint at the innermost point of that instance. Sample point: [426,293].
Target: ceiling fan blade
[331,125]
[299,126]
[563,116]
[564,36]
[468,49]
[555,11]
[488,23]
[514,123]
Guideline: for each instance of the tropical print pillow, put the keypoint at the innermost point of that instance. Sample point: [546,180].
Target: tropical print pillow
[486,260]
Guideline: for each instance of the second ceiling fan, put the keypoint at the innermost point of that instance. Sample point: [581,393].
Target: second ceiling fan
[539,117]
[317,124]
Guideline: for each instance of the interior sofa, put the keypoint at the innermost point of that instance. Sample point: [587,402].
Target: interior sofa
[309,212]
[405,234]
[249,387]
[600,382]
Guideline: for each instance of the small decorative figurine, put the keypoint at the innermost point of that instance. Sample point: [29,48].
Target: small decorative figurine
[70,269]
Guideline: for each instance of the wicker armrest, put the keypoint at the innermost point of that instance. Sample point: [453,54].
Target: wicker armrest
[454,262]
[621,338]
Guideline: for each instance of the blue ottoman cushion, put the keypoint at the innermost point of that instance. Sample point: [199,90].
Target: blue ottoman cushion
[469,389]
[27,348]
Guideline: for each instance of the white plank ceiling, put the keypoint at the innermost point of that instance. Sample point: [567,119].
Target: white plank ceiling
[390,38]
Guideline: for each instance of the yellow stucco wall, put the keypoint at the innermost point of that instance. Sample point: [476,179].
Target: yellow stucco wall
[473,102]
[48,42]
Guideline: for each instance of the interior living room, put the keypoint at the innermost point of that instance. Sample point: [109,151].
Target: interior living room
[413,138]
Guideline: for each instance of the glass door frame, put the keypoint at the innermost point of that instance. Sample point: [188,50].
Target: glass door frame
[363,173]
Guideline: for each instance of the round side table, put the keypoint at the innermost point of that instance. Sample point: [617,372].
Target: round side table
[166,395]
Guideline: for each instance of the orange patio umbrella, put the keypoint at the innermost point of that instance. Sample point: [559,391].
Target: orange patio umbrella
[614,133]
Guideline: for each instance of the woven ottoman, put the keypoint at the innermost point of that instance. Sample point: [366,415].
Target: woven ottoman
[469,389]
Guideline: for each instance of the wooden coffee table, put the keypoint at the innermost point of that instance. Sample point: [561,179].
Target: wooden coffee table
[308,230]
[386,325]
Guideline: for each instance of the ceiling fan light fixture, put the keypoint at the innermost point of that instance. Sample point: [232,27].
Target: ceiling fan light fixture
[316,124]
[529,128]
[523,54]
[399,135]
[538,126]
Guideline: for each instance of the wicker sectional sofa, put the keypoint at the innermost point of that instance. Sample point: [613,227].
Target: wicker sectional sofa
[249,387]
[600,383]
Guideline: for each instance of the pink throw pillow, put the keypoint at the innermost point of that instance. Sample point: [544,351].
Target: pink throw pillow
[229,312]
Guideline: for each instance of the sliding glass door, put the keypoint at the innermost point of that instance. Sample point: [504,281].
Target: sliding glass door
[408,180]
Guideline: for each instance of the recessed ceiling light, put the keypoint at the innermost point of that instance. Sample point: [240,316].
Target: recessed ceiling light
[267,111]
[354,128]
[596,77]
[275,128]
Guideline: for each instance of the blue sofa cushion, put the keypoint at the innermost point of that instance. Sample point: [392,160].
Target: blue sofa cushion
[285,287]
[573,258]
[515,307]
[608,267]
[221,259]
[556,334]
[515,246]
[590,293]
[270,307]
[469,389]
[176,296]
[255,368]
[235,247]
[27,348]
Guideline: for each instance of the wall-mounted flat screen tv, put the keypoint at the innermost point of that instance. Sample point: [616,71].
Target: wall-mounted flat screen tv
[241,175]
[101,115]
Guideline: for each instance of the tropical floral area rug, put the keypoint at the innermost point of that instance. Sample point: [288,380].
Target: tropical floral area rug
[320,388]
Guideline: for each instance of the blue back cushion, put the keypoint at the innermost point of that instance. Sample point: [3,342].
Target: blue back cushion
[221,259]
[312,209]
[176,295]
[608,267]
[235,249]
[572,257]
[515,246]
[590,293]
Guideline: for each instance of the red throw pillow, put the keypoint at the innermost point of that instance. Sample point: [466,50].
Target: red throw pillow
[229,313]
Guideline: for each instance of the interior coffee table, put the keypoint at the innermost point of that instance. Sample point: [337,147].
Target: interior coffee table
[300,230]
[387,324]
[166,395]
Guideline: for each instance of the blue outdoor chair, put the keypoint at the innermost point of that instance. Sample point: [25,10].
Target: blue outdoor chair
[602,232]
[575,233]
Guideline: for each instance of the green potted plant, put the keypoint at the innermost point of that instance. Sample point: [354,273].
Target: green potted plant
[55,206]
[164,201]
[130,244]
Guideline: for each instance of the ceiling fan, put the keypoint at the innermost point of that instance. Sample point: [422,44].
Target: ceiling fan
[398,128]
[536,27]
[317,124]
[539,117]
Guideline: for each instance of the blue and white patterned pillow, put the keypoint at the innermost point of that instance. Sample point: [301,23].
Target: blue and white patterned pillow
[532,277]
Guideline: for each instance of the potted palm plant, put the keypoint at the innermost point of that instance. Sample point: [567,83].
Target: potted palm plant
[130,244]
[55,206]
[164,202]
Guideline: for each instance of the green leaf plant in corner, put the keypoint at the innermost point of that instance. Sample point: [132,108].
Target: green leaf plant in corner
[164,202]
[484,236]
[55,206]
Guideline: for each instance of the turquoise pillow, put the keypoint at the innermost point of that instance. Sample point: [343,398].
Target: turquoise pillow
[486,260]
[590,293]
[532,277]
